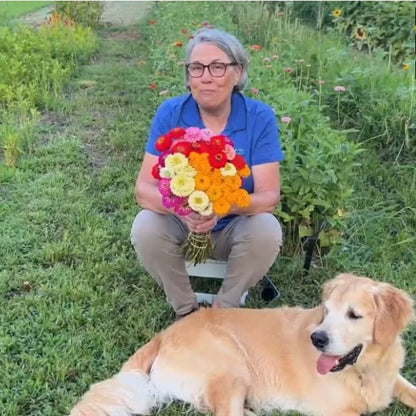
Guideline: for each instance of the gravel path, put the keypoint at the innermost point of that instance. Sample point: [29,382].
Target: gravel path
[115,13]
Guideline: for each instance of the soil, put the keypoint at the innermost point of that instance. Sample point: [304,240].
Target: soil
[115,13]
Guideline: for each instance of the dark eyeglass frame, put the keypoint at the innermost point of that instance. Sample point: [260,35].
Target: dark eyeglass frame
[226,65]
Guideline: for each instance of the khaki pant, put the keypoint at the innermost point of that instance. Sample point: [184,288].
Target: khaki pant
[250,244]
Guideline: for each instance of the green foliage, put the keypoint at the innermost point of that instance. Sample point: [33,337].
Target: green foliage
[34,65]
[83,13]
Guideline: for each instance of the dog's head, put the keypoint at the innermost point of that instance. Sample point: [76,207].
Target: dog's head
[358,312]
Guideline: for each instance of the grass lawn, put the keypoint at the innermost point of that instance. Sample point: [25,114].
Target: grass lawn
[11,9]
[75,300]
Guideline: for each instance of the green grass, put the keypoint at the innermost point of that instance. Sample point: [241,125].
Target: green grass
[75,300]
[12,9]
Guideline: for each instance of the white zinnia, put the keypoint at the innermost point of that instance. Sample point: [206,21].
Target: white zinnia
[198,201]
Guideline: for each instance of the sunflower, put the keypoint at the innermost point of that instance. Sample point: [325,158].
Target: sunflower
[336,13]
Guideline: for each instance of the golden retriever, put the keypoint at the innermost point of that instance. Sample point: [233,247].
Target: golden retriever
[339,359]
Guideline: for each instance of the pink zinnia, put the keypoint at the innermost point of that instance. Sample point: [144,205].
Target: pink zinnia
[164,187]
[162,158]
[286,119]
[193,134]
[181,207]
[229,152]
[170,201]
[254,90]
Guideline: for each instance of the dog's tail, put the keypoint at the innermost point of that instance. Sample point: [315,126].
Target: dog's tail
[129,392]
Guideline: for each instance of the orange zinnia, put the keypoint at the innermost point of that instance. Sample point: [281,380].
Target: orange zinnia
[214,193]
[221,207]
[202,182]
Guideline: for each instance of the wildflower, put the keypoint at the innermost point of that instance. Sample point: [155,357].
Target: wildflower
[152,86]
[339,88]
[336,13]
[321,82]
[178,43]
[266,59]
[288,69]
[285,119]
[360,34]
[255,47]
[406,67]
[274,57]
[152,22]
[184,31]
[254,90]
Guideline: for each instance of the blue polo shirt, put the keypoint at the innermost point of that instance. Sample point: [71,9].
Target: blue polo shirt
[251,126]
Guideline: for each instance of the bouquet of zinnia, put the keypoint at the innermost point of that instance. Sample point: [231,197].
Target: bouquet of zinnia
[199,172]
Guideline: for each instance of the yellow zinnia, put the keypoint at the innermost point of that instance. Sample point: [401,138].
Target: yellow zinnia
[182,185]
[176,162]
[198,201]
[228,170]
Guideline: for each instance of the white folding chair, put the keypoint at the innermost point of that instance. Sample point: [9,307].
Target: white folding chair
[211,269]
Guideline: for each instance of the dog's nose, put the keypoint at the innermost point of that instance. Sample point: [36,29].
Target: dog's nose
[319,339]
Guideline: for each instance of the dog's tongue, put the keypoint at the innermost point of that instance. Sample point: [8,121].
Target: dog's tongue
[326,363]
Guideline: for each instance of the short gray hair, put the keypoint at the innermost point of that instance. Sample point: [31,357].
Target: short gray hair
[228,43]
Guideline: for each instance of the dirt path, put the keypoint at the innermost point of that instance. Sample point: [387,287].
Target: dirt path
[115,13]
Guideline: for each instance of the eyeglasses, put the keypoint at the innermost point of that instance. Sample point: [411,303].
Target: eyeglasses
[216,69]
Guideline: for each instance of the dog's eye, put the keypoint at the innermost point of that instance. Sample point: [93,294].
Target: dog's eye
[352,315]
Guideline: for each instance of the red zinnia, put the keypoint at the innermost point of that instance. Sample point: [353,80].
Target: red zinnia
[163,143]
[176,133]
[238,162]
[218,142]
[217,159]
[182,147]
[155,171]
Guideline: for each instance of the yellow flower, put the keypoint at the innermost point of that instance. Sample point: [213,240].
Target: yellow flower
[176,162]
[208,210]
[165,172]
[336,13]
[198,201]
[406,67]
[228,170]
[414,27]
[189,171]
[182,185]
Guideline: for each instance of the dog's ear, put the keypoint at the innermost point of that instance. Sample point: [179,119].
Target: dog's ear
[394,311]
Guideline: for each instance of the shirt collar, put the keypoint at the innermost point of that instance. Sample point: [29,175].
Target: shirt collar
[236,121]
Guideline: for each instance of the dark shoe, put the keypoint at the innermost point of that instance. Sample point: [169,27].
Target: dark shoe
[179,317]
[269,291]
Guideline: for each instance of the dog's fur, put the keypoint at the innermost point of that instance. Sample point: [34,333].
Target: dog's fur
[223,360]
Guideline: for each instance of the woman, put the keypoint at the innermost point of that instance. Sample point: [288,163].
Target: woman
[250,238]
